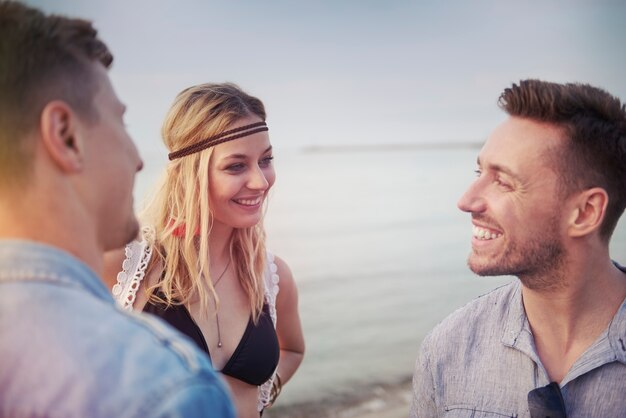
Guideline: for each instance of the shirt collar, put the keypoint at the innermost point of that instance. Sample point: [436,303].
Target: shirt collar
[617,329]
[517,333]
[29,260]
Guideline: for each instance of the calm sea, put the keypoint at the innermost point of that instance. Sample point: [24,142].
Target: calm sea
[378,248]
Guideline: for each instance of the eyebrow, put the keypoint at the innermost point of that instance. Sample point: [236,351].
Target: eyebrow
[501,169]
[244,156]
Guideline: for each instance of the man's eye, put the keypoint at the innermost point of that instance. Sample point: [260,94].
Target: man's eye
[501,183]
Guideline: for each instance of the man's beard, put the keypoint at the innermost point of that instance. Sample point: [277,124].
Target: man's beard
[538,263]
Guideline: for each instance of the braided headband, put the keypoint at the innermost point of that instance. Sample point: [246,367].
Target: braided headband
[219,138]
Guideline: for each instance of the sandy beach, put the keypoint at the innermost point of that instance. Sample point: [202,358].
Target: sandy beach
[374,401]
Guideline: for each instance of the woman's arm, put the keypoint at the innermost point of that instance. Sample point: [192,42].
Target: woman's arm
[288,326]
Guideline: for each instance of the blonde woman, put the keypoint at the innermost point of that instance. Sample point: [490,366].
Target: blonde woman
[201,263]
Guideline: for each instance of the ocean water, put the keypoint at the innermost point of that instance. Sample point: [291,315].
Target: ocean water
[378,249]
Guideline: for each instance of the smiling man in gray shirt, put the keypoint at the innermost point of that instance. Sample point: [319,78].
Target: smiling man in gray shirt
[550,189]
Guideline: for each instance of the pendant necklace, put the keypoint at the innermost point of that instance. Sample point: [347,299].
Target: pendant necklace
[217,318]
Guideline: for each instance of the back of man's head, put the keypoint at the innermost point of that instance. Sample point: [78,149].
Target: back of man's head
[42,58]
[594,123]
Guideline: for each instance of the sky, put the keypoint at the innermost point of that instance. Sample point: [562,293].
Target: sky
[337,73]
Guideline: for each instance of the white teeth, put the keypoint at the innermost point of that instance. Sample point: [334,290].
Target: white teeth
[249,202]
[483,234]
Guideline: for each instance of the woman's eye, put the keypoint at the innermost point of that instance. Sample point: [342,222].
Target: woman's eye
[266,161]
[478,172]
[235,167]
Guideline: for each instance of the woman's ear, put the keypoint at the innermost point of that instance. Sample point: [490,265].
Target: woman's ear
[588,210]
[59,133]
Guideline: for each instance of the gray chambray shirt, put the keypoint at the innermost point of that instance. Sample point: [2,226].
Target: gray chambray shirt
[481,362]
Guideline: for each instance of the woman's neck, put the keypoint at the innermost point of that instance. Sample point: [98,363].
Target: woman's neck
[219,242]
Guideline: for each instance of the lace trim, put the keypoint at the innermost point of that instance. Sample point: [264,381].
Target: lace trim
[134,268]
[271,290]
[138,254]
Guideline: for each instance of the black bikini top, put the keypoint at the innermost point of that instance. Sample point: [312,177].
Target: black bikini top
[256,356]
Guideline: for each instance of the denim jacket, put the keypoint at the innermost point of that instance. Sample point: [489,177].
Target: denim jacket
[481,361]
[67,351]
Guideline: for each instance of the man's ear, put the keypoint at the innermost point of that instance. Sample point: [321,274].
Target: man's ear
[588,210]
[60,135]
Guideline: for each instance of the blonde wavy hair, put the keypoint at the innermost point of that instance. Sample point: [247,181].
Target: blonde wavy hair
[181,203]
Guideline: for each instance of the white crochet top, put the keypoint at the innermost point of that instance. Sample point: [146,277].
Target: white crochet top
[138,254]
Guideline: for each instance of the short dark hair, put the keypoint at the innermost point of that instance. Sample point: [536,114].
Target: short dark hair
[42,58]
[594,123]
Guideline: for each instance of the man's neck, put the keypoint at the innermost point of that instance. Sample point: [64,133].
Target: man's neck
[565,321]
[59,225]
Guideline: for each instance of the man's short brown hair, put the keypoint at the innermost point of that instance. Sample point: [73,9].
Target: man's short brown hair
[594,123]
[42,58]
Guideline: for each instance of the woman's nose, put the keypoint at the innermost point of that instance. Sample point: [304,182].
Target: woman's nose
[257,180]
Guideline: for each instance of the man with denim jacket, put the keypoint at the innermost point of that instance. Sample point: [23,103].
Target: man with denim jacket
[550,189]
[67,169]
